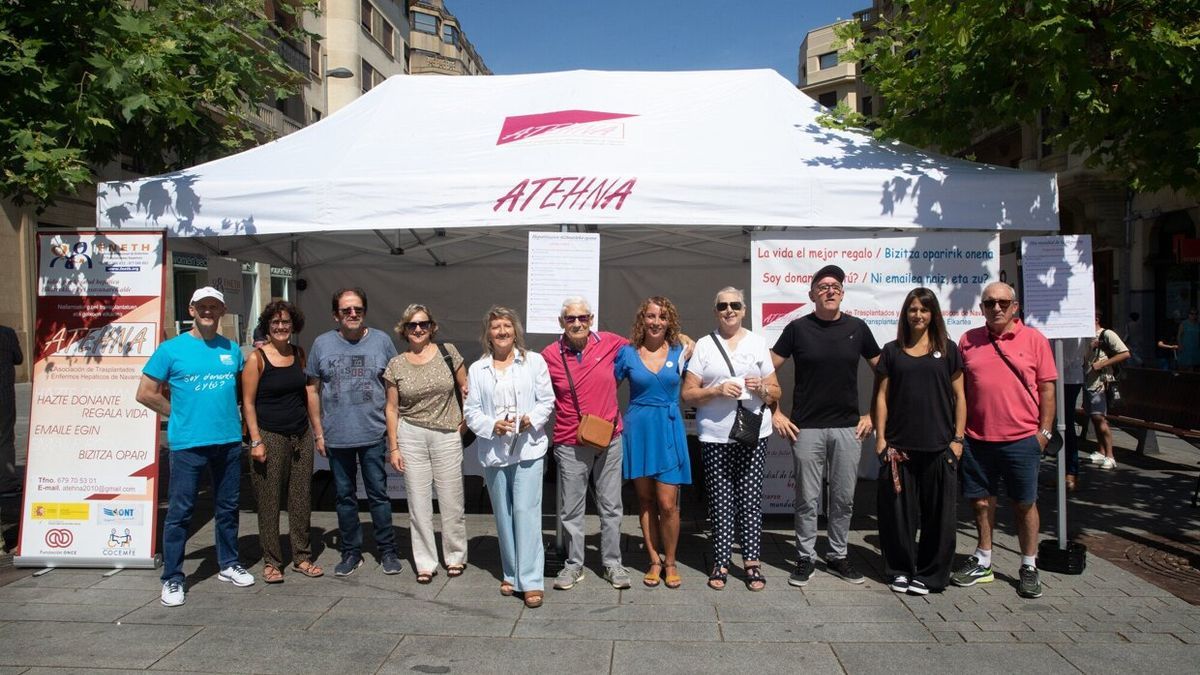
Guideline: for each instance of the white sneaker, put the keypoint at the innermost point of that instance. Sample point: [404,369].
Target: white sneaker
[173,594]
[1108,463]
[237,575]
[1097,457]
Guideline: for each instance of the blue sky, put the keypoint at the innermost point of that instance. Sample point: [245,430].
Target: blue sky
[529,36]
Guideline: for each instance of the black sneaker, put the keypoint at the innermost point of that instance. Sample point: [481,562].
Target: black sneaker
[916,587]
[349,563]
[390,562]
[1031,582]
[841,567]
[899,583]
[804,571]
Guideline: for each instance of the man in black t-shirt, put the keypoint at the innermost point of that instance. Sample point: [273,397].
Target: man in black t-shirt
[825,427]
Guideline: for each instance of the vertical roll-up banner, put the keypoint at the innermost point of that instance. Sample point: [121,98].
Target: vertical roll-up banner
[91,480]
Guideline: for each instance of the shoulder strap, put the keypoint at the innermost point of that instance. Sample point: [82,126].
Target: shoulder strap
[570,380]
[1015,372]
[721,348]
[453,381]
[262,359]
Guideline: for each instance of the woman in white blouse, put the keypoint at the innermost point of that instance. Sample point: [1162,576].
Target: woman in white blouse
[732,367]
[508,404]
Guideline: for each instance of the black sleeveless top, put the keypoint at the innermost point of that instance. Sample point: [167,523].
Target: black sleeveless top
[281,401]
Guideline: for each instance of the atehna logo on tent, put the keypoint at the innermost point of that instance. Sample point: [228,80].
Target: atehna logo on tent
[773,312]
[572,123]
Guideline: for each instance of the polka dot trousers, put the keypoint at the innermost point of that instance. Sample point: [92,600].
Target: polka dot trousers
[733,477]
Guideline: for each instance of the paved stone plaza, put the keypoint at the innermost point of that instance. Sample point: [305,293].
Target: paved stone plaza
[1106,620]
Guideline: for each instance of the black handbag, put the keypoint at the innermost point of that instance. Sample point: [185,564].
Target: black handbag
[747,423]
[1056,440]
[466,435]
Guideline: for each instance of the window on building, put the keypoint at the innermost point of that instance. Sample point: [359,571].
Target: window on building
[426,23]
[316,116]
[867,106]
[279,287]
[450,35]
[827,60]
[315,60]
[371,77]
[828,99]
[388,39]
[366,14]
[378,27]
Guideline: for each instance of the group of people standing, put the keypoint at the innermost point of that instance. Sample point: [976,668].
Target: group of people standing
[977,413]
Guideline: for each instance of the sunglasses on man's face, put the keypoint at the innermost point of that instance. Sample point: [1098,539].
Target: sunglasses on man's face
[413,325]
[735,306]
[1002,304]
[348,311]
[576,318]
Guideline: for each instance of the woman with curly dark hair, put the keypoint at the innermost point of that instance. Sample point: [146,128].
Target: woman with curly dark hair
[275,406]
[655,445]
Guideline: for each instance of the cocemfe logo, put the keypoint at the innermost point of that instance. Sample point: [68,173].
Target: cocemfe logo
[580,124]
[59,537]
[773,312]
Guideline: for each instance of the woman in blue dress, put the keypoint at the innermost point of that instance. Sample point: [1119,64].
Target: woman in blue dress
[654,442]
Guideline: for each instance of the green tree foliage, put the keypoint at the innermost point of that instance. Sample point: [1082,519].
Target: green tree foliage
[1118,78]
[165,83]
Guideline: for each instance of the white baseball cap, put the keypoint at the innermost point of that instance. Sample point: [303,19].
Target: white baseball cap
[207,292]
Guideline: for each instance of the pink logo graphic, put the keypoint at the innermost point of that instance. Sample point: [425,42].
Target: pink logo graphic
[59,538]
[521,127]
[779,311]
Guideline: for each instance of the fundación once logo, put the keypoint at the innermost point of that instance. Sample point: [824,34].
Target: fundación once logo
[59,537]
[577,124]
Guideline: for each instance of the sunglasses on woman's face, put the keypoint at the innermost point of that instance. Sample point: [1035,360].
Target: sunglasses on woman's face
[735,306]
[413,325]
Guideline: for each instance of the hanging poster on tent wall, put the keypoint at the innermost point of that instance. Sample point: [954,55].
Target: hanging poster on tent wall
[880,270]
[561,265]
[92,472]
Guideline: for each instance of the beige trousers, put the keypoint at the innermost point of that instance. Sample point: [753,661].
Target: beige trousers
[433,459]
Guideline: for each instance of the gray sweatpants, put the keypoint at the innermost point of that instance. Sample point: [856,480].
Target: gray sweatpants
[576,464]
[814,451]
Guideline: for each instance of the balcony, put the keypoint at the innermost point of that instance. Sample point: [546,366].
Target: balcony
[295,56]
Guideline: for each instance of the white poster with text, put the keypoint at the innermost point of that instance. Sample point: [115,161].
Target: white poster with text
[561,265]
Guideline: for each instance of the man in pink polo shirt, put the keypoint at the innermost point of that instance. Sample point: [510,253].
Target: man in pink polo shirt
[589,356]
[1010,378]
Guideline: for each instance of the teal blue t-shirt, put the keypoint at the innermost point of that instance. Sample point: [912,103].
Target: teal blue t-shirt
[203,376]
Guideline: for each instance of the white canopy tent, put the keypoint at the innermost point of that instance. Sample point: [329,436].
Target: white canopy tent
[674,168]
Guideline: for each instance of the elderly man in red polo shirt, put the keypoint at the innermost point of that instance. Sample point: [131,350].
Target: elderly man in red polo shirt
[1010,377]
[589,387]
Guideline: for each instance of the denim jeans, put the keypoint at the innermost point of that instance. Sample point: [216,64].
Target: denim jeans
[345,462]
[225,464]
[1071,438]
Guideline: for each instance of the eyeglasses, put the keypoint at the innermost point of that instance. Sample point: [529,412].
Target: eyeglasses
[1002,304]
[827,288]
[735,306]
[413,325]
[347,311]
[577,318]
[282,323]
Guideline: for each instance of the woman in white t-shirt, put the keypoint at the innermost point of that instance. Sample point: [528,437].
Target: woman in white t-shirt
[733,471]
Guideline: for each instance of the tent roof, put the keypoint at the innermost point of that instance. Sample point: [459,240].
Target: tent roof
[738,148]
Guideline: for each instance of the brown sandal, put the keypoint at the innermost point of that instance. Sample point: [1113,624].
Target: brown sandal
[272,575]
[308,568]
[426,577]
[533,599]
[506,589]
[455,570]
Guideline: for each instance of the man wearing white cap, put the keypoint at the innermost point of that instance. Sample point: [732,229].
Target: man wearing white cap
[199,369]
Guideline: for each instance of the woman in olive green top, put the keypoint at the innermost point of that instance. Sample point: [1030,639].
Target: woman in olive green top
[423,422]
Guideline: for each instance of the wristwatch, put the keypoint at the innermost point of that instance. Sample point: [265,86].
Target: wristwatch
[957,439]
[1047,433]
[255,444]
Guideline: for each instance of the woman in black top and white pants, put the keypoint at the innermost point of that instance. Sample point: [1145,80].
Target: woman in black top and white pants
[920,414]
[275,407]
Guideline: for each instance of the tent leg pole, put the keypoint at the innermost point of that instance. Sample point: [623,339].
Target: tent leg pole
[1062,453]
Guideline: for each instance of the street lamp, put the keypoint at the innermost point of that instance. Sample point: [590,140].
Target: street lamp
[340,73]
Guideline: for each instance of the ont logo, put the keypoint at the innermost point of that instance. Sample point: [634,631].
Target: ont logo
[59,538]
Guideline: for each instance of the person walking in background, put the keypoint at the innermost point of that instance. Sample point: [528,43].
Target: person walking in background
[204,430]
[654,441]
[423,421]
[1187,343]
[920,415]
[825,427]
[1075,354]
[1105,351]
[1010,378]
[581,370]
[1133,339]
[509,399]
[275,407]
[731,368]
[10,357]
[346,401]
